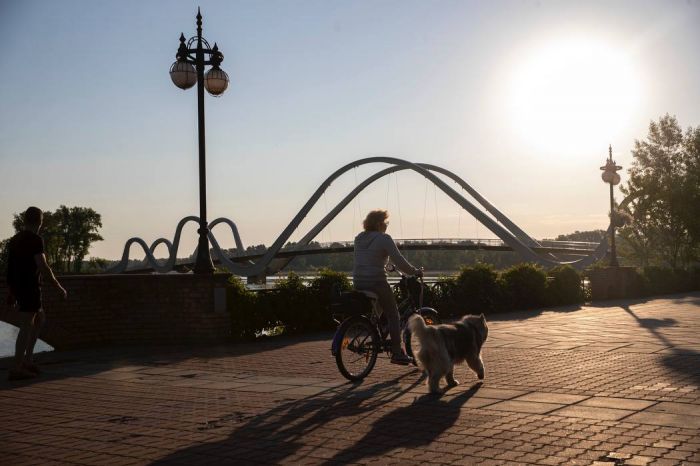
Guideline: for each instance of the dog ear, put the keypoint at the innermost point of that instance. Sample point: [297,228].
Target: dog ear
[483,317]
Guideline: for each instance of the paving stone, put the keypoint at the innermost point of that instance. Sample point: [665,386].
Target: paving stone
[617,403]
[590,412]
[303,391]
[499,394]
[663,419]
[557,398]
[676,408]
[525,407]
[639,461]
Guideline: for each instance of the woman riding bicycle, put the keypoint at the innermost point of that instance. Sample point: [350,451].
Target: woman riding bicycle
[373,249]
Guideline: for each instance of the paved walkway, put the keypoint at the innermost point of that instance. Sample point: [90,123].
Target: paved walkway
[612,384]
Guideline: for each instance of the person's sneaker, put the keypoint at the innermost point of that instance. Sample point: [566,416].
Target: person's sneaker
[20,374]
[401,359]
[31,367]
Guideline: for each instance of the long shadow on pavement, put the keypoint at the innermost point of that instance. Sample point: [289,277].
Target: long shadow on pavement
[414,425]
[281,432]
[683,361]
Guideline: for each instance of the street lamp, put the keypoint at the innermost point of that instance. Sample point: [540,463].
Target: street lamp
[187,71]
[610,176]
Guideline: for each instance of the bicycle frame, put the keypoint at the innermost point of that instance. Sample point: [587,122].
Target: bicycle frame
[407,307]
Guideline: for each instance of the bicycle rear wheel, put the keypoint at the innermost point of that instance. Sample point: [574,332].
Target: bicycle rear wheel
[410,341]
[359,345]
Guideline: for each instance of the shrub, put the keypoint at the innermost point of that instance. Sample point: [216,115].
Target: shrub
[525,286]
[477,290]
[248,319]
[564,286]
[292,303]
[442,296]
[661,280]
[292,307]
[321,289]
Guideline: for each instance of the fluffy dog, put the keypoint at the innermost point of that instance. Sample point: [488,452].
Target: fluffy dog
[443,346]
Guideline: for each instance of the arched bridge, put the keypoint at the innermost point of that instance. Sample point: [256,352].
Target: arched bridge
[275,258]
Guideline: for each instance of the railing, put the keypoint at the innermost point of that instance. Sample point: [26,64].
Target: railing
[569,248]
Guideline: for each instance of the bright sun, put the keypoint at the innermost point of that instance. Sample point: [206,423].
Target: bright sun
[573,95]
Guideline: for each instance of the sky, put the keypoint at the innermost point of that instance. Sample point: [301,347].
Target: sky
[519,98]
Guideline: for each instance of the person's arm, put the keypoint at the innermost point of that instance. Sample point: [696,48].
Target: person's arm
[398,260]
[47,273]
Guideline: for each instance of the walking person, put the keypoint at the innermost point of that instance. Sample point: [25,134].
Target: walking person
[373,249]
[26,267]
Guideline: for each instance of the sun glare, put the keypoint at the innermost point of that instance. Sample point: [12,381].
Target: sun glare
[573,95]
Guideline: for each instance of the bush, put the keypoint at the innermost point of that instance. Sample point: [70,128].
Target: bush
[661,280]
[477,289]
[564,286]
[524,286]
[291,303]
[292,307]
[321,288]
[248,319]
[442,296]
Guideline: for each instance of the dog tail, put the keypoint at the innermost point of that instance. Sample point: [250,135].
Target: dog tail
[417,326]
[427,336]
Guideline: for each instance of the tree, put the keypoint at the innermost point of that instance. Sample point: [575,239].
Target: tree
[3,256]
[665,180]
[590,236]
[68,234]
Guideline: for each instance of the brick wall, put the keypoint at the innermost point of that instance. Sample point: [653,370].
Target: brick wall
[104,310]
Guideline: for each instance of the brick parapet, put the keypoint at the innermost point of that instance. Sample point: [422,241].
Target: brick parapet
[104,310]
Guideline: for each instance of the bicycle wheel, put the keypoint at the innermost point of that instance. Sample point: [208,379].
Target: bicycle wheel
[410,342]
[359,345]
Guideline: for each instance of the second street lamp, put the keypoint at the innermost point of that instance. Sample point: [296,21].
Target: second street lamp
[610,176]
[187,71]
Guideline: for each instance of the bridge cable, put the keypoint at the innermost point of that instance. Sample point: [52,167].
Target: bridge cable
[425,207]
[359,201]
[459,217]
[329,234]
[388,187]
[398,202]
[437,217]
[354,210]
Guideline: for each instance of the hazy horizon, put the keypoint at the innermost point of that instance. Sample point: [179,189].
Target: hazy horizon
[519,98]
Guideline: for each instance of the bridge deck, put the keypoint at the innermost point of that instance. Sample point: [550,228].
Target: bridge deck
[565,248]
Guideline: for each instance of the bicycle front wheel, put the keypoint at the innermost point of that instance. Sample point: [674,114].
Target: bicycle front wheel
[359,345]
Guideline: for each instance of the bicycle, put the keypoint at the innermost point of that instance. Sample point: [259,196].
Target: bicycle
[364,332]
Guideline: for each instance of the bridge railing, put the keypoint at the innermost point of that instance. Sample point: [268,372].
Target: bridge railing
[491,242]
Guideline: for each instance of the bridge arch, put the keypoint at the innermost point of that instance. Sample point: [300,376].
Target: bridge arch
[507,231]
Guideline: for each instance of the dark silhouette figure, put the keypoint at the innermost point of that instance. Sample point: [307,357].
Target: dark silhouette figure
[26,266]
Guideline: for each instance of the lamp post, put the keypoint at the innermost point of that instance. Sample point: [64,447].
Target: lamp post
[187,70]
[610,176]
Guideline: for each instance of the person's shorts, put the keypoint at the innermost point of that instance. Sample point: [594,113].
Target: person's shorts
[28,300]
